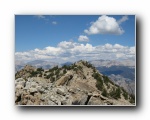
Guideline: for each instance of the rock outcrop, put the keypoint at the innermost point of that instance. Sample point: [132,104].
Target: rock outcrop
[76,84]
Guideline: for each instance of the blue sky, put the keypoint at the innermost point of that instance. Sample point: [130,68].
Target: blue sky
[42,31]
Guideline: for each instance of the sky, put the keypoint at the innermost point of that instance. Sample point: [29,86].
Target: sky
[63,38]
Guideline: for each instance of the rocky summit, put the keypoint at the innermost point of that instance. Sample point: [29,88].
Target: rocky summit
[76,84]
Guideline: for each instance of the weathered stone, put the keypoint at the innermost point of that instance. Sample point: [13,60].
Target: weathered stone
[34,84]
[18,92]
[43,97]
[67,96]
[103,98]
[79,98]
[52,98]
[73,90]
[22,82]
[37,102]
[61,91]
[38,95]
[19,87]
[59,102]
[24,101]
[90,94]
[64,102]
[62,80]
[78,89]
[67,102]
[41,90]
[28,85]
[33,90]
[51,103]
[30,103]
[95,101]
[19,79]
[96,94]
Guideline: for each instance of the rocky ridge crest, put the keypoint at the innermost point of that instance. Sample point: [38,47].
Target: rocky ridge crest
[77,84]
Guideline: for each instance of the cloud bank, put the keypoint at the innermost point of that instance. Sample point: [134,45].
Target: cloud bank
[83,38]
[106,25]
[72,51]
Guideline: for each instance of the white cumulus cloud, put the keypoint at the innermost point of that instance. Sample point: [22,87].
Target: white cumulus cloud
[108,46]
[66,45]
[105,25]
[72,51]
[117,46]
[123,19]
[83,38]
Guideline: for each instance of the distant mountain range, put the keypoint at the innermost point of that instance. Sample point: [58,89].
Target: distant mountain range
[39,63]
[125,71]
[97,63]
[109,63]
[36,63]
[120,72]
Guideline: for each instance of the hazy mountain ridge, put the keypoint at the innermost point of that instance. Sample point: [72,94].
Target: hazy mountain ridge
[49,64]
[36,63]
[123,76]
[109,63]
[76,84]
[127,84]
